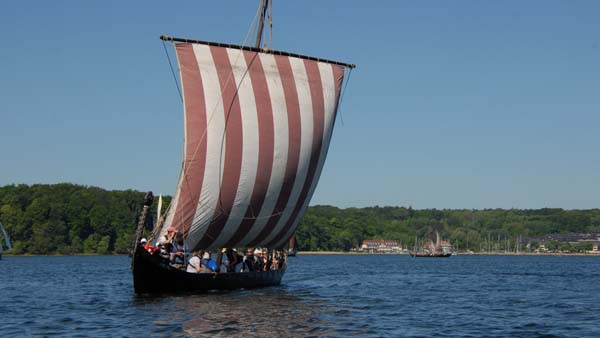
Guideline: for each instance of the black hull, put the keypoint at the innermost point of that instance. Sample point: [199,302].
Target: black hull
[151,275]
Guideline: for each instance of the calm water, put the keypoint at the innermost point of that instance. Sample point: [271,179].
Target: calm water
[322,295]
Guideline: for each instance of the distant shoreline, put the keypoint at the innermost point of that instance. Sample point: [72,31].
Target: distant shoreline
[353,253]
[460,254]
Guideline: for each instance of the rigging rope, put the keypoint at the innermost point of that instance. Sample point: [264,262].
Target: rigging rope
[253,26]
[172,71]
[271,25]
[342,97]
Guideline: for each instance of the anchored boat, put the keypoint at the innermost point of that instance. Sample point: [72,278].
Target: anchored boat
[292,249]
[258,123]
[437,249]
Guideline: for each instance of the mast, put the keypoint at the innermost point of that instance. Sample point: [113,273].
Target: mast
[263,12]
[416,243]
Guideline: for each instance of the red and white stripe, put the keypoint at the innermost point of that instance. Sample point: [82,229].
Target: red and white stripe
[257,130]
[330,101]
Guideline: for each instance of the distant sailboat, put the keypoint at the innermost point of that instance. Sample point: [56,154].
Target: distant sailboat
[6,240]
[258,123]
[431,249]
[292,248]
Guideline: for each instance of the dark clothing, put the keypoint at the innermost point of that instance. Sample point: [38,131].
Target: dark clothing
[249,263]
[258,263]
[233,258]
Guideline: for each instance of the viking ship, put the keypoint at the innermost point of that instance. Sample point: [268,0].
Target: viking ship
[431,249]
[257,128]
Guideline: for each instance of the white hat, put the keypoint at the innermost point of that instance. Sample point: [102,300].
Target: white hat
[144,240]
[257,252]
[206,255]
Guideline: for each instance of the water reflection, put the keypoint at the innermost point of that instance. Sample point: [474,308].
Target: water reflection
[269,312]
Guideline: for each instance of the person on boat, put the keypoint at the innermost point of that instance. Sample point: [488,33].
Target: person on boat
[239,261]
[224,267]
[144,243]
[151,249]
[275,260]
[193,264]
[258,260]
[205,258]
[281,261]
[278,259]
[208,265]
[267,260]
[248,261]
[234,260]
[171,233]
[166,245]
[179,251]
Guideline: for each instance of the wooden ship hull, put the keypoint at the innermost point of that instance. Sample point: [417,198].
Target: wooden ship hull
[152,275]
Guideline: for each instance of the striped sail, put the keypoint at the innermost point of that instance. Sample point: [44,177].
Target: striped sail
[257,130]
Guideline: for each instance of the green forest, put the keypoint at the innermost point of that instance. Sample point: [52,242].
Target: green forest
[74,219]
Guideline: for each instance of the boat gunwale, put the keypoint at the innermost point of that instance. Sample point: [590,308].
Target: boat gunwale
[149,273]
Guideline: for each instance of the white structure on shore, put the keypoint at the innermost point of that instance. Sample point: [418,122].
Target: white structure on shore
[381,246]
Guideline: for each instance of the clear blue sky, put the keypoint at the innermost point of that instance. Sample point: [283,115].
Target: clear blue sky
[454,104]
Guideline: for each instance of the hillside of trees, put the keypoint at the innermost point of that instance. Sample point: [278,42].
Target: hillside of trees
[72,219]
[69,219]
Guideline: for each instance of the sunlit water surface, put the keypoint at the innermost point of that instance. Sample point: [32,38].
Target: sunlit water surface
[321,295]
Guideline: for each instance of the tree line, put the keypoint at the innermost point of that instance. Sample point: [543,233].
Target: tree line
[73,219]
[327,228]
[69,219]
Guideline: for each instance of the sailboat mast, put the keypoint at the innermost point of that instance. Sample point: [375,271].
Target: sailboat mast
[6,239]
[261,24]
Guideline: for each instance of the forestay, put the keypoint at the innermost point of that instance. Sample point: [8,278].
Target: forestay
[257,130]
